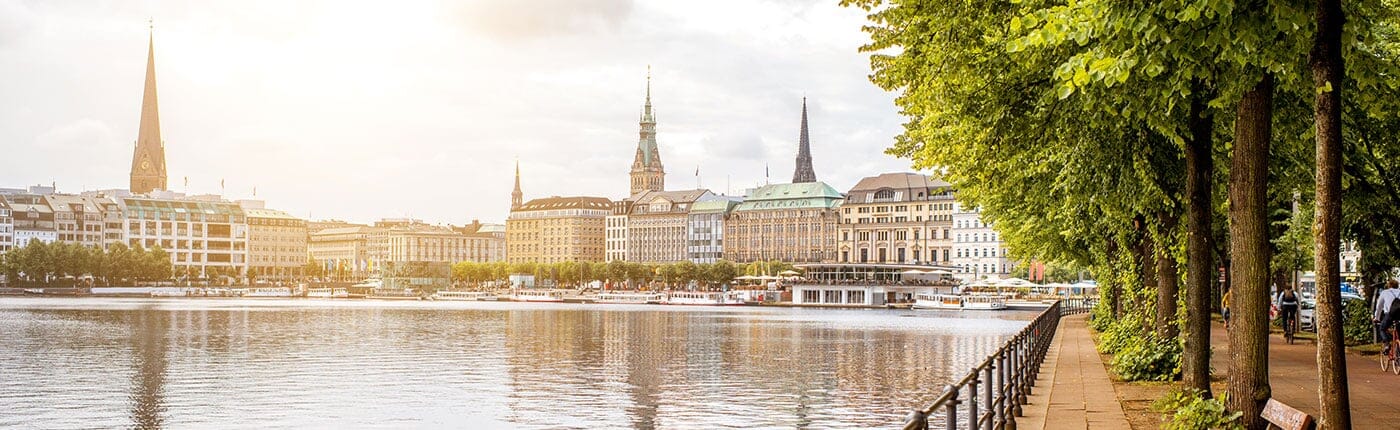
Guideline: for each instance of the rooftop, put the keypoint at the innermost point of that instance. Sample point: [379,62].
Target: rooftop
[558,203]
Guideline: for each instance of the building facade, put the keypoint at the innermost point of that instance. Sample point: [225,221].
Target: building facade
[32,218]
[7,227]
[795,223]
[277,244]
[615,231]
[647,174]
[656,225]
[79,220]
[344,252]
[555,229]
[978,251]
[205,239]
[704,230]
[901,218]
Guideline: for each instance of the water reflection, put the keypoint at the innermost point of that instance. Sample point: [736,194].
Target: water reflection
[296,364]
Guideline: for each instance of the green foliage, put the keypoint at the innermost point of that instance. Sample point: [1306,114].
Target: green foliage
[1120,334]
[1189,410]
[1147,358]
[63,263]
[1356,322]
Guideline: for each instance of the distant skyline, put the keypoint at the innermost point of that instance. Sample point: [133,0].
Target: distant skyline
[357,112]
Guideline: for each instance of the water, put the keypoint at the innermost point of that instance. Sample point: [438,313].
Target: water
[211,363]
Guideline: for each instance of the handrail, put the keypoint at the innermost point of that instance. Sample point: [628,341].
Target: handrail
[1005,377]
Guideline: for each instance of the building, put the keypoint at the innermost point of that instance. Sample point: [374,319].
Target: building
[901,218]
[656,225]
[803,173]
[428,243]
[795,223]
[704,230]
[343,252]
[489,241]
[7,227]
[277,244]
[1349,260]
[148,160]
[615,231]
[978,252]
[516,197]
[647,173]
[32,218]
[205,239]
[78,220]
[555,229]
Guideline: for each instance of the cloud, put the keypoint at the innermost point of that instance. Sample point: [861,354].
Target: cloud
[512,21]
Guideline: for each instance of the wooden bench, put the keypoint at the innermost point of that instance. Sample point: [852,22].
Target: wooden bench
[1285,417]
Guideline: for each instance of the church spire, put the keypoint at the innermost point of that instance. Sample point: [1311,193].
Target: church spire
[516,197]
[148,160]
[804,172]
[647,173]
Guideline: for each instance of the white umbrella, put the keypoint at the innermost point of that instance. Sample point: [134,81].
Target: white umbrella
[913,272]
[789,273]
[941,272]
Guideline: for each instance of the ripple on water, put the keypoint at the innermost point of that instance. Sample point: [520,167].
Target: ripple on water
[102,363]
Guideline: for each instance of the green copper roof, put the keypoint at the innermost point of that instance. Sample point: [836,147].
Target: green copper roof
[712,206]
[795,196]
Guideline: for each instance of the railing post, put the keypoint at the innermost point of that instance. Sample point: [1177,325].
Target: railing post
[1002,387]
[987,395]
[953,408]
[918,418]
[972,401]
[1008,393]
[1020,377]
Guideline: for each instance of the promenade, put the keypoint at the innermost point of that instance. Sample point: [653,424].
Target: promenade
[1075,390]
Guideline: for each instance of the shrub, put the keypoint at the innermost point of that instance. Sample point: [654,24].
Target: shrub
[1190,411]
[1119,334]
[1147,358]
[1356,322]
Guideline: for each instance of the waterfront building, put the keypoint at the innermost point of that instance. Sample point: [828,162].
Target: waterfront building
[277,244]
[148,160]
[489,241]
[203,238]
[647,174]
[32,218]
[656,225]
[7,227]
[803,173]
[869,284]
[903,218]
[343,252]
[78,220]
[795,223]
[419,242]
[615,231]
[704,230]
[555,229]
[978,251]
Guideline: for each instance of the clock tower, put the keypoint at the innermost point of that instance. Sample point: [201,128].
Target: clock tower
[148,160]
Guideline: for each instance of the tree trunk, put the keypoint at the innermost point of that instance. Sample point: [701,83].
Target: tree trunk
[1200,264]
[1115,290]
[1167,278]
[1248,385]
[1147,265]
[1327,69]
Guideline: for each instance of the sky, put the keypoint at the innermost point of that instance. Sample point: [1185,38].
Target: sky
[360,111]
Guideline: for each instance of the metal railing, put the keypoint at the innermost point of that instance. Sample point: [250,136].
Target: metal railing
[992,393]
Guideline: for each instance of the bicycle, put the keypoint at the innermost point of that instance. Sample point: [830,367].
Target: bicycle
[1290,326]
[1391,358]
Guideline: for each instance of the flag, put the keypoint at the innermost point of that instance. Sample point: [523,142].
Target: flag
[221,184]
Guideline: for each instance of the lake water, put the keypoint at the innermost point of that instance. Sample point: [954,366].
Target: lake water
[234,363]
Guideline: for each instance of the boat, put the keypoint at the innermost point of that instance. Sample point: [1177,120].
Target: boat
[327,293]
[267,292]
[393,294]
[628,297]
[529,295]
[698,298]
[984,302]
[463,296]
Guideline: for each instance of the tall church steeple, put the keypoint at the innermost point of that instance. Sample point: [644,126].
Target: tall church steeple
[804,172]
[516,197]
[148,160]
[647,173]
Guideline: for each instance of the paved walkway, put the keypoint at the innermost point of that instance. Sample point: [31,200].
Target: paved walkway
[1073,390]
[1293,377]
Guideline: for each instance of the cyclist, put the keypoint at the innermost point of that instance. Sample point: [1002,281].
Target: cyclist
[1386,312]
[1287,307]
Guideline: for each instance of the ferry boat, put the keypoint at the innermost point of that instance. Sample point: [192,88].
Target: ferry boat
[529,295]
[697,298]
[267,292]
[327,293]
[393,294]
[463,296]
[629,297]
[983,302]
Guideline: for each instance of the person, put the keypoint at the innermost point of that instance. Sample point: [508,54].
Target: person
[1288,306]
[1225,308]
[1385,312]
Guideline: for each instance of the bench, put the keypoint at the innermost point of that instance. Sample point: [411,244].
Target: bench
[1285,417]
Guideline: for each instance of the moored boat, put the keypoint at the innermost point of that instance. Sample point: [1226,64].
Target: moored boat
[327,293]
[540,295]
[463,296]
[984,302]
[628,297]
[267,292]
[697,298]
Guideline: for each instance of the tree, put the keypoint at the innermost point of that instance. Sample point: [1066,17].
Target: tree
[1328,75]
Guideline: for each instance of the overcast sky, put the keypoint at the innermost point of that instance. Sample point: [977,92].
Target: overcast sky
[355,111]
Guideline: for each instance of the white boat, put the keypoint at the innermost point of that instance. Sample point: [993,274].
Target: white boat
[629,297]
[697,298]
[463,296]
[267,292]
[984,302]
[327,293]
[529,295]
